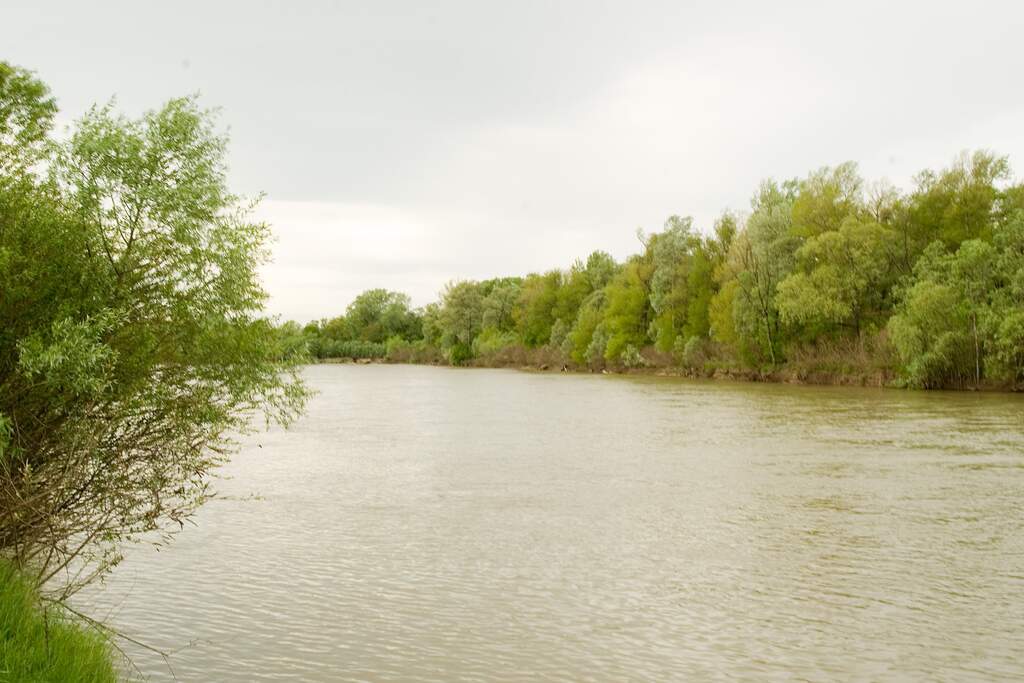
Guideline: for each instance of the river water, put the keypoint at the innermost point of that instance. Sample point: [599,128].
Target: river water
[429,523]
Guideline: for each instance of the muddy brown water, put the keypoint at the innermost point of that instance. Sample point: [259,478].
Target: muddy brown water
[426,523]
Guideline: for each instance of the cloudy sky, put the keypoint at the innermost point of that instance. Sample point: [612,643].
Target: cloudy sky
[406,144]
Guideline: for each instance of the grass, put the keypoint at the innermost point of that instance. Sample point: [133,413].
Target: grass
[39,645]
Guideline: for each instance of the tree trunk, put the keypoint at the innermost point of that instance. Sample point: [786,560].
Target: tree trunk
[977,351]
[768,332]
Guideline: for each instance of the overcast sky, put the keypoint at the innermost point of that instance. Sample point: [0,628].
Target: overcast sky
[403,145]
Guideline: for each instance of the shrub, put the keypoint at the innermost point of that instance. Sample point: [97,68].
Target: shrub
[352,349]
[491,341]
[693,354]
[597,346]
[631,357]
[459,354]
[420,351]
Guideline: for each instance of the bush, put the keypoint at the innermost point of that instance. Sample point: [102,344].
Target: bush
[398,349]
[631,357]
[491,341]
[420,351]
[352,349]
[693,354]
[459,354]
[595,353]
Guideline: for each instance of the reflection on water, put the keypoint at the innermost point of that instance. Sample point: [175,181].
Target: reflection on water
[428,523]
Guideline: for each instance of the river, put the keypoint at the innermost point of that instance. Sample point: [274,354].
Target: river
[425,523]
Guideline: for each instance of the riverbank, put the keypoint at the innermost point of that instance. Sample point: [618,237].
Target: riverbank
[797,374]
[39,644]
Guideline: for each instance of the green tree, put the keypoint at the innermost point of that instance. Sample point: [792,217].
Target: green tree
[929,333]
[708,261]
[760,258]
[576,287]
[433,327]
[939,330]
[722,316]
[826,199]
[670,253]
[132,344]
[1005,323]
[579,286]
[376,315]
[627,314]
[701,287]
[461,319]
[581,335]
[843,279]
[26,116]
[535,313]
[500,304]
[959,203]
[600,269]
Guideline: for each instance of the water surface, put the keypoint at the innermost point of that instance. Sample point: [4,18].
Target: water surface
[438,524]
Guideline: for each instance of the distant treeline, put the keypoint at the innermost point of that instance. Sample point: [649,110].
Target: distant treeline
[825,278]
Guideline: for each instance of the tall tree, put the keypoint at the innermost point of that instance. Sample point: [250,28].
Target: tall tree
[132,344]
[958,203]
[760,257]
[843,279]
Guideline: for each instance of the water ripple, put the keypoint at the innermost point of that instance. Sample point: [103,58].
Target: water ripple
[425,524]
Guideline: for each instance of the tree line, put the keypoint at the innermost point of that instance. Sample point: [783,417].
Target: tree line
[824,277]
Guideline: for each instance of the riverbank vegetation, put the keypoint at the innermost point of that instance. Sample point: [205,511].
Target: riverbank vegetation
[40,644]
[132,340]
[825,278]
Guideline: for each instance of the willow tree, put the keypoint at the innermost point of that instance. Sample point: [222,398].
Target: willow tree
[672,254]
[132,344]
[760,257]
[843,277]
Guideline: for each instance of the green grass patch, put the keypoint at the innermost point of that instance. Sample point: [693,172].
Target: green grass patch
[39,644]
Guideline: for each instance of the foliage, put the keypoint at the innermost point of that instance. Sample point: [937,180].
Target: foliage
[377,315]
[27,111]
[826,199]
[929,333]
[628,311]
[580,337]
[597,350]
[958,203]
[843,278]
[40,643]
[961,320]
[694,353]
[535,311]
[631,357]
[671,256]
[760,258]
[461,319]
[500,304]
[354,348]
[132,342]
[420,351]
[492,340]
[373,317]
